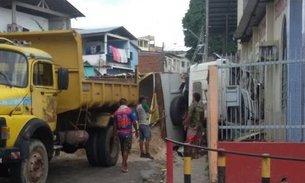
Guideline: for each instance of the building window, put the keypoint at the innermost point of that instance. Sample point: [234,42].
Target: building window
[182,64]
[188,64]
[43,75]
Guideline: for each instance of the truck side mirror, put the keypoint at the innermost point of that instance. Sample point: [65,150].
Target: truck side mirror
[63,78]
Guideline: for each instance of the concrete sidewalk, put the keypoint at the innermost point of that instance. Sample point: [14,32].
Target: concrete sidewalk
[199,170]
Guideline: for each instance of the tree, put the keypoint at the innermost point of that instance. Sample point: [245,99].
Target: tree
[193,21]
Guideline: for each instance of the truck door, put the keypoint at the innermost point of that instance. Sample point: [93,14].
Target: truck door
[44,92]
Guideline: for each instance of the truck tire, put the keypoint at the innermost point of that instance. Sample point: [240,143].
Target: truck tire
[108,148]
[178,110]
[35,168]
[91,148]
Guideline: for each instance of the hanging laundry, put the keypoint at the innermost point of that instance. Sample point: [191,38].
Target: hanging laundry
[123,56]
[116,54]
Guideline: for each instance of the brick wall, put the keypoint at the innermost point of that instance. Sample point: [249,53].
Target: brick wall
[149,62]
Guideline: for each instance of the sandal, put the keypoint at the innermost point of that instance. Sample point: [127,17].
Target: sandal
[123,170]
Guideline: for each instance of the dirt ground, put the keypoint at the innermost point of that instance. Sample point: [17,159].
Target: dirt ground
[74,168]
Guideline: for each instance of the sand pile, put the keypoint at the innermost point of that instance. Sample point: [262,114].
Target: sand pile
[157,145]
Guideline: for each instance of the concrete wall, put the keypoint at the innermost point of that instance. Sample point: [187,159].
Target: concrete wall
[59,23]
[25,20]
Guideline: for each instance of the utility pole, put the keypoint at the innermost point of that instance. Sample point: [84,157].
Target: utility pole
[199,46]
[206,50]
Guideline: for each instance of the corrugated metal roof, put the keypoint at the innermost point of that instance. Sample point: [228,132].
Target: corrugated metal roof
[62,6]
[118,30]
[219,11]
[100,30]
[254,12]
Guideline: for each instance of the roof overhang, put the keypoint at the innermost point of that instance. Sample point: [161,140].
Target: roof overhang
[222,16]
[253,13]
[44,8]
[119,32]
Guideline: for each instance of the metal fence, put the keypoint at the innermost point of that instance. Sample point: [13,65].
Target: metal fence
[261,100]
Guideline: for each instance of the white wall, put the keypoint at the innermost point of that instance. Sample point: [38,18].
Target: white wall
[175,65]
[25,20]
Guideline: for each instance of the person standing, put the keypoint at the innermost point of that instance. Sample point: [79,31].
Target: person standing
[193,123]
[143,111]
[124,119]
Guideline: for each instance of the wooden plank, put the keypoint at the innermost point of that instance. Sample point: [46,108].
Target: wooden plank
[213,121]
[247,136]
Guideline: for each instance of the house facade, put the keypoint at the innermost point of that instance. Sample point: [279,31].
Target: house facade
[111,50]
[36,15]
[176,63]
[147,43]
[274,31]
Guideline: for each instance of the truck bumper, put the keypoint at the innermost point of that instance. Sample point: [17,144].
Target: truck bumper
[9,155]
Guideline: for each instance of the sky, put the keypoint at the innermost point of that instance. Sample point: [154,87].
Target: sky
[160,18]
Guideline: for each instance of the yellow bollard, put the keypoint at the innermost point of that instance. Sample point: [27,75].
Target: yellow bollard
[266,169]
[221,161]
[187,169]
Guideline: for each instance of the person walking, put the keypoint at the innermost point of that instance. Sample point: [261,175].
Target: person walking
[193,123]
[124,119]
[143,111]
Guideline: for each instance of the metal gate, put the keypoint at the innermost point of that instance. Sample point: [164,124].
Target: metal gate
[255,101]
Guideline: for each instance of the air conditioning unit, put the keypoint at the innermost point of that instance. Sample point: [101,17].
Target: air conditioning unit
[14,28]
[269,51]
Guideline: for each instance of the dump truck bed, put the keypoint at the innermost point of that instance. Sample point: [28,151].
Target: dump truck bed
[66,49]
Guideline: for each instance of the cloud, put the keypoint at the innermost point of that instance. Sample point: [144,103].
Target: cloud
[161,18]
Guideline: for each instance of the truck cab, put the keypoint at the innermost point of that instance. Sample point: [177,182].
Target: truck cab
[29,83]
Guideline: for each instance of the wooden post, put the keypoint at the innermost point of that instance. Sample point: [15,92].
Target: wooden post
[213,121]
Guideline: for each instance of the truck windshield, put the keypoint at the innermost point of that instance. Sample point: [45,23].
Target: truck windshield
[13,69]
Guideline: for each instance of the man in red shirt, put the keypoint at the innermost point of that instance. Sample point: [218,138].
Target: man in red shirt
[124,119]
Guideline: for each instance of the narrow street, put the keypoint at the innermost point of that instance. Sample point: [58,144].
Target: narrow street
[75,169]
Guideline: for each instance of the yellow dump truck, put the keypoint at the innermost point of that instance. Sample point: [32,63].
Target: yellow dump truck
[47,105]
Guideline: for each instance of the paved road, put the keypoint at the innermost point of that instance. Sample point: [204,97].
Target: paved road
[199,170]
[73,169]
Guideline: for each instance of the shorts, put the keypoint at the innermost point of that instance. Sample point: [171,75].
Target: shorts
[125,143]
[145,132]
[192,136]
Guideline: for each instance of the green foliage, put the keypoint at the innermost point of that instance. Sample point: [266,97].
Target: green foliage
[193,20]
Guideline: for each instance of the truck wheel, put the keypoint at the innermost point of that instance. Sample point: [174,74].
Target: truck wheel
[178,110]
[35,168]
[108,148]
[91,148]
